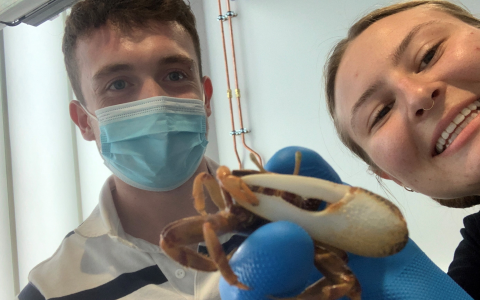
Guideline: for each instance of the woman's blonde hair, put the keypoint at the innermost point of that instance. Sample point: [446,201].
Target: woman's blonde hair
[336,55]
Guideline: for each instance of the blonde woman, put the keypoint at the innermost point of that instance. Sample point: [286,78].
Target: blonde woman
[403,90]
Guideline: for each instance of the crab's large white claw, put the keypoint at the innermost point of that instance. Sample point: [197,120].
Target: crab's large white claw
[358,221]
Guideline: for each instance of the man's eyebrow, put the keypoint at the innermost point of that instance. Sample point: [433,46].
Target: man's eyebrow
[110,69]
[400,50]
[179,59]
[119,67]
[363,98]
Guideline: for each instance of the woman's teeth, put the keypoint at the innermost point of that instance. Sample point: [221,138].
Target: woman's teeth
[456,126]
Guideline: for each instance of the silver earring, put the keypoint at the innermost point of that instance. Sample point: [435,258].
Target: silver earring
[433,103]
[408,189]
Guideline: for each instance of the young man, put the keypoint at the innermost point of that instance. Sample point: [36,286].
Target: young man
[135,67]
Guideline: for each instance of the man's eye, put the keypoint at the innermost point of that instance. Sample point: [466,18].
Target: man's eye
[176,76]
[381,113]
[428,57]
[118,85]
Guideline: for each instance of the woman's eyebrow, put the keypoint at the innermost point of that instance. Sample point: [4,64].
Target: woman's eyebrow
[363,98]
[400,50]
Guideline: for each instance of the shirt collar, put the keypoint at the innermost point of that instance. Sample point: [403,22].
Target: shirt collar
[104,219]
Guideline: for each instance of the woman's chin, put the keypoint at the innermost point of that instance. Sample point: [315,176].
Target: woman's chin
[462,202]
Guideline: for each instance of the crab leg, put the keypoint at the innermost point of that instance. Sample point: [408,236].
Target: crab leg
[338,279]
[177,235]
[298,159]
[341,278]
[358,221]
[207,180]
[218,255]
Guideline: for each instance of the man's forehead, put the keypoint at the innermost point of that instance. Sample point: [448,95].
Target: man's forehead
[109,39]
[109,32]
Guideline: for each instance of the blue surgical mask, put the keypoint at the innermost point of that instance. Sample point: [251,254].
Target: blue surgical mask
[155,144]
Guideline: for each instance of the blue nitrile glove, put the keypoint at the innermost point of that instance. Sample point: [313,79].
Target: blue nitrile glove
[409,274]
[283,274]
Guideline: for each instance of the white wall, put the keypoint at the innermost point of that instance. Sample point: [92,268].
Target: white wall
[281,49]
[44,184]
[197,7]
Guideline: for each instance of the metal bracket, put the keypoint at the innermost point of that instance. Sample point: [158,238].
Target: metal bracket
[240,131]
[222,18]
[231,14]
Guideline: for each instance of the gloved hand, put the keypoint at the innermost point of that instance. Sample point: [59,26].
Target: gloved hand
[268,260]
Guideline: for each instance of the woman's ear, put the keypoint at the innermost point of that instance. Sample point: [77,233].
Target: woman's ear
[380,173]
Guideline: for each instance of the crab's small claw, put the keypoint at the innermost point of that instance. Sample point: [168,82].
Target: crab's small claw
[236,187]
[207,180]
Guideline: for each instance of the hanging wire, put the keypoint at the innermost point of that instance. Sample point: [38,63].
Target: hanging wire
[242,130]
[229,91]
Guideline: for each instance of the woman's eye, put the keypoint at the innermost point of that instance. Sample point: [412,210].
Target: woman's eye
[118,85]
[176,76]
[428,57]
[381,113]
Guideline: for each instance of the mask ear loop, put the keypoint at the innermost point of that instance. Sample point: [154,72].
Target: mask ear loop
[99,147]
[87,112]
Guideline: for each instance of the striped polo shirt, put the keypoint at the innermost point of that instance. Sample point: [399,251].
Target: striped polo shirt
[99,261]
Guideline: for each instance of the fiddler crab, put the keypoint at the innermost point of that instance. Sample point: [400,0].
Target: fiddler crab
[355,220]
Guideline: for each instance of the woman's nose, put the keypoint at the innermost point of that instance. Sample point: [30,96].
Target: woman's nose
[420,96]
[419,112]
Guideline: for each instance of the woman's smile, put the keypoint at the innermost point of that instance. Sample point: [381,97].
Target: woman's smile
[456,126]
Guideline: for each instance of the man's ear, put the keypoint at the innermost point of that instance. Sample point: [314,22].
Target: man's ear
[208,90]
[80,118]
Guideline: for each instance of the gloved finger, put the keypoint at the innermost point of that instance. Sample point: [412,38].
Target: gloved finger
[275,260]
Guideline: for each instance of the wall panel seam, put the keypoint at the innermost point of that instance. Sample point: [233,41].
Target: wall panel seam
[8,166]
[76,164]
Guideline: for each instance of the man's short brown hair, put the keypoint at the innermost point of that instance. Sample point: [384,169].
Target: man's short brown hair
[125,15]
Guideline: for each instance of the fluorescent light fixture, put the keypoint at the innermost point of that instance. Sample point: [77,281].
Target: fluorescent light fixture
[32,12]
